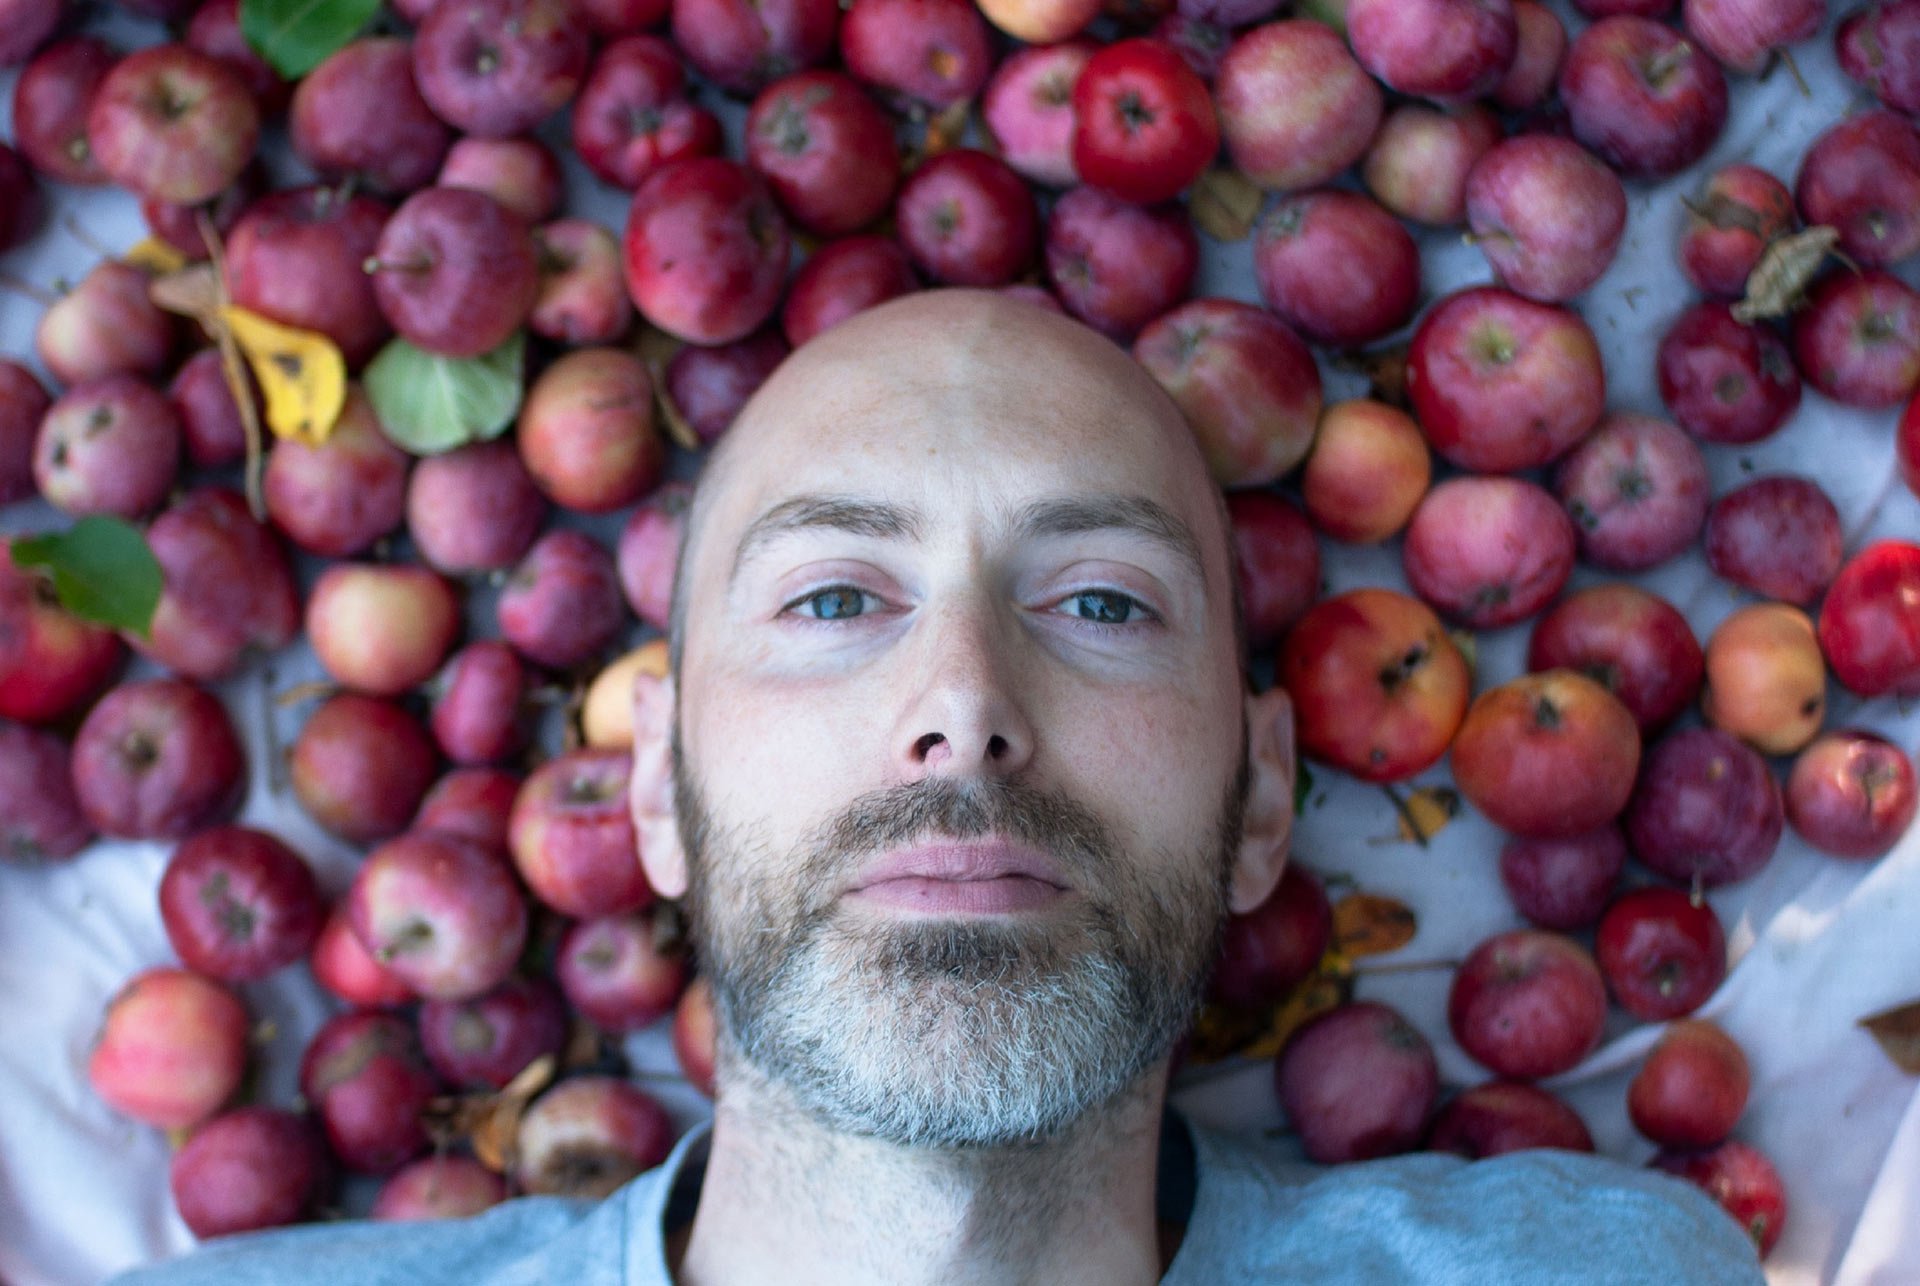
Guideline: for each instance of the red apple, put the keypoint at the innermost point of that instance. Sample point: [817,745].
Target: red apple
[1641,97]
[158,759]
[346,969]
[381,628]
[1295,108]
[583,290]
[1858,338]
[1852,794]
[496,68]
[238,904]
[1637,491]
[1500,383]
[634,115]
[338,498]
[1548,756]
[1540,47]
[296,256]
[1271,949]
[1358,1082]
[1635,644]
[109,446]
[1027,109]
[1566,882]
[1662,952]
[1692,1089]
[743,45]
[364,1074]
[617,975]
[1447,50]
[1276,564]
[1246,383]
[228,591]
[483,1042]
[251,1168]
[105,325]
[441,912]
[522,174]
[40,819]
[474,509]
[1488,551]
[1868,628]
[1144,126]
[649,550]
[1547,214]
[360,766]
[1742,1180]
[826,149]
[359,116]
[572,837]
[1377,686]
[934,52]
[1729,226]
[1746,34]
[561,606]
[706,250]
[51,662]
[1338,266]
[1879,46]
[966,219]
[1779,537]
[23,402]
[1528,1004]
[1862,178]
[173,124]
[50,101]
[1497,1117]
[1706,808]
[1117,266]
[586,431]
[438,1187]
[710,385]
[1418,164]
[1726,381]
[473,802]
[455,272]
[210,426]
[587,1136]
[1041,22]
[1367,472]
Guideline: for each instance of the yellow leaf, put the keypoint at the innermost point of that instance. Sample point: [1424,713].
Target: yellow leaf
[301,374]
[1224,204]
[1366,924]
[1422,814]
[155,256]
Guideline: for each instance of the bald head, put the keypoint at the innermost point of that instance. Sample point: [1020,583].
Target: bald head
[965,371]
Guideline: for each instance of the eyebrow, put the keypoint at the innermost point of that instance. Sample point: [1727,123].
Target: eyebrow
[1039,519]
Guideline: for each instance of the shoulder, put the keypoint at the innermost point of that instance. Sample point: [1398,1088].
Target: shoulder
[1531,1216]
[529,1240]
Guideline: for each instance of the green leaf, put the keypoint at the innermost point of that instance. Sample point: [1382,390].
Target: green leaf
[297,35]
[429,404]
[101,570]
[1302,787]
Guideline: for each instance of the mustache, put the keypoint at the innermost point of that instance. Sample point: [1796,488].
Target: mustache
[1048,820]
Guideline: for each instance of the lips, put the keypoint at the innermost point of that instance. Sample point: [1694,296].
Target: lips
[963,862]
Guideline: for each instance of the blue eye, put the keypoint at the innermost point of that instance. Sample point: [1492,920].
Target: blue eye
[1106,607]
[834,603]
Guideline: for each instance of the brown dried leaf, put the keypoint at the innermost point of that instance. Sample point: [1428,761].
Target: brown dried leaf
[1224,204]
[657,349]
[1898,1031]
[1385,370]
[1780,279]
[1423,813]
[945,129]
[193,292]
[1367,924]
[490,1122]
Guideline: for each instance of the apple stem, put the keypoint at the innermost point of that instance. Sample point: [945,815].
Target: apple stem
[1793,69]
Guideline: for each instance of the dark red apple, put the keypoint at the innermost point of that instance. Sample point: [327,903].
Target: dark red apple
[1539,49]
[1862,178]
[1706,807]
[1746,34]
[1858,338]
[1528,1004]
[1295,107]
[360,766]
[1117,266]
[743,45]
[1729,225]
[455,272]
[295,257]
[483,1042]
[842,278]
[966,219]
[1726,381]
[1547,214]
[364,1074]
[826,149]
[1643,98]
[211,429]
[572,837]
[1637,490]
[1447,50]
[474,802]
[634,115]
[1778,536]
[1488,551]
[158,759]
[441,912]
[173,124]
[933,52]
[359,116]
[1563,883]
[617,975]
[1637,645]
[1662,952]
[1742,1180]
[497,68]
[1271,949]
[50,102]
[1356,1083]
[561,606]
[228,591]
[336,499]
[23,402]
[1879,46]
[40,819]
[252,1168]
[710,385]
[238,904]
[474,509]
[1336,265]
[1276,564]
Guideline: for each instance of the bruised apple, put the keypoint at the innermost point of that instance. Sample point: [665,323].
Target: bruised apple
[1378,687]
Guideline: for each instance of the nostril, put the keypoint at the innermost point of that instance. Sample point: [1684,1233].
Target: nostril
[996,746]
[923,747]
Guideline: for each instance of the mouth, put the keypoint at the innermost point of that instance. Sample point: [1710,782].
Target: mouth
[945,876]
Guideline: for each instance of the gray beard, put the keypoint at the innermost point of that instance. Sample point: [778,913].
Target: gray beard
[953,1033]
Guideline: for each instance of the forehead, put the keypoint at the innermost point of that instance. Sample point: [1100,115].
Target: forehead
[958,414]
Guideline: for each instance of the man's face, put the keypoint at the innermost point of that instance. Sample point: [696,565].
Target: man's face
[960,596]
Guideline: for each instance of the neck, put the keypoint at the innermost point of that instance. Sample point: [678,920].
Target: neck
[785,1199]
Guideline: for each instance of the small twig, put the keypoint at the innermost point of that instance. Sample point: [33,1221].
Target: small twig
[234,368]
[1370,969]
[310,690]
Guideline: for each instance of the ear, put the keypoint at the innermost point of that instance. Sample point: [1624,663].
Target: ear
[650,796]
[1268,828]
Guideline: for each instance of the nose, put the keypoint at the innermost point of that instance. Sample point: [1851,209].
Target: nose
[963,715]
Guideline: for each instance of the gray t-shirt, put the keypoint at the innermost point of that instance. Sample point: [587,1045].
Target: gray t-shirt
[1250,1216]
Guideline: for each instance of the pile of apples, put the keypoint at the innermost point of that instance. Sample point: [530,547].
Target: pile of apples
[501,902]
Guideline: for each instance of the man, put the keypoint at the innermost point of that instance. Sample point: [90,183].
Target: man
[958,777]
